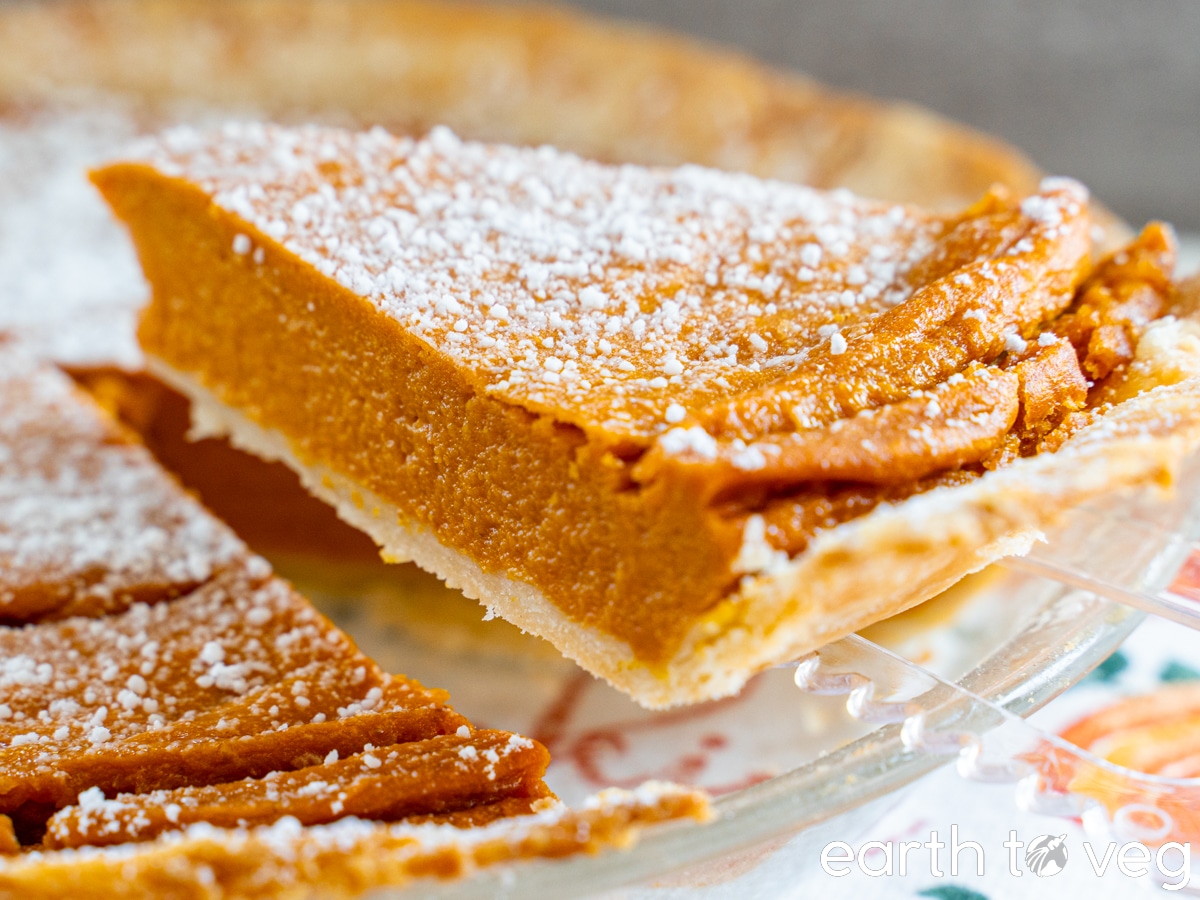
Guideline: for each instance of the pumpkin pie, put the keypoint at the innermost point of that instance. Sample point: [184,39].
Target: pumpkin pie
[683,423]
[79,79]
[175,718]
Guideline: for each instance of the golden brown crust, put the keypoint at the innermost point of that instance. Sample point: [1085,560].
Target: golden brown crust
[285,862]
[525,75]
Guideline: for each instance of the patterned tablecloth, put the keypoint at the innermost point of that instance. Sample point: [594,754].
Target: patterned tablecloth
[1158,654]
[1156,658]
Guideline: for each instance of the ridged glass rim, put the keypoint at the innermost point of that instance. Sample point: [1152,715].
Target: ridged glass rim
[1059,644]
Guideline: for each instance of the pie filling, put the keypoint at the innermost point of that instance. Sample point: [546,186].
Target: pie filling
[600,379]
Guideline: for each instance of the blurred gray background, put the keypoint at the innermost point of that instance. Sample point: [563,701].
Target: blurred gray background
[1105,90]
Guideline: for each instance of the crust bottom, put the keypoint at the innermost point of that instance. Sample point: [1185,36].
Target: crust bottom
[858,573]
[340,860]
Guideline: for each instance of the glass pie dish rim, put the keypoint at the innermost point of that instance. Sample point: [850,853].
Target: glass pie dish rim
[1059,644]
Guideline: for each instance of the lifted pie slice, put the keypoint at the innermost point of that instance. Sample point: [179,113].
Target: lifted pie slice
[682,423]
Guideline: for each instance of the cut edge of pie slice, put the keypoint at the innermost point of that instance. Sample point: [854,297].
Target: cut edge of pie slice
[186,721]
[853,576]
[600,399]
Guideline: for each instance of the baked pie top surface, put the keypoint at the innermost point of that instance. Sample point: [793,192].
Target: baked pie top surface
[623,300]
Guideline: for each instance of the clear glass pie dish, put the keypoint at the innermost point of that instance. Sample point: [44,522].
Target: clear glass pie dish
[790,771]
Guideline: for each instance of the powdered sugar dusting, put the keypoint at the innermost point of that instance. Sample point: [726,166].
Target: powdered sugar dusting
[72,285]
[88,521]
[600,293]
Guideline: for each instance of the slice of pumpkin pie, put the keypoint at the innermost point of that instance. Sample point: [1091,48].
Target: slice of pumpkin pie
[685,424]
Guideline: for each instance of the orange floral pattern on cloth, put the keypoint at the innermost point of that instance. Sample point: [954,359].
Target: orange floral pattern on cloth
[1157,733]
